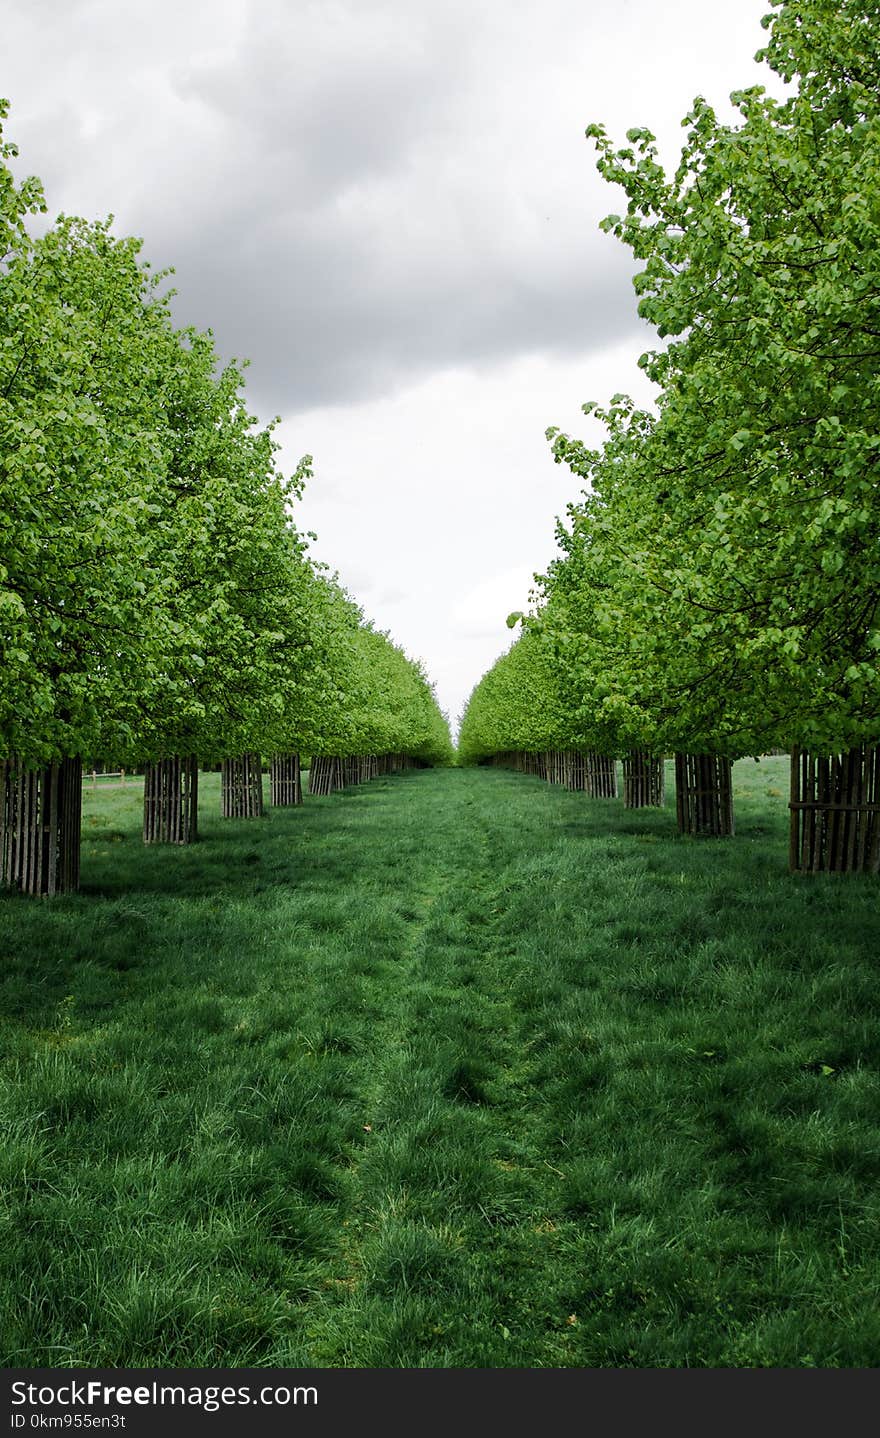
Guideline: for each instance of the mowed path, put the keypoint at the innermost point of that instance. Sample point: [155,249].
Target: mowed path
[455,1069]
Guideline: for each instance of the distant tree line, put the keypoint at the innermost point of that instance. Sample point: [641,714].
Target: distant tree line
[158,606]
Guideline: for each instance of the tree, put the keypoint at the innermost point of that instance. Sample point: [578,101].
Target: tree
[744,516]
[387,714]
[761,263]
[80,489]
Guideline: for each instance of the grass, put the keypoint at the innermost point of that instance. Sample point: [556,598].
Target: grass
[454,1070]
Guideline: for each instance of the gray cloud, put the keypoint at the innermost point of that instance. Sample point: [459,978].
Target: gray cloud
[337,94]
[371,233]
[354,193]
[346,326]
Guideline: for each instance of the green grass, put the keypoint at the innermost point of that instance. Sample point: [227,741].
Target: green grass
[452,1070]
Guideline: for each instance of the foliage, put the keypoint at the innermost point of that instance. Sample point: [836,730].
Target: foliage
[80,488]
[385,703]
[17,200]
[718,584]
[737,531]
[516,705]
[156,595]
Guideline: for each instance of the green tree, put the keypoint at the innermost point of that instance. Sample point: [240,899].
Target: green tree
[761,267]
[81,489]
[737,529]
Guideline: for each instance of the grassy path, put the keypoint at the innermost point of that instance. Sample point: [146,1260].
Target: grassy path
[453,1070]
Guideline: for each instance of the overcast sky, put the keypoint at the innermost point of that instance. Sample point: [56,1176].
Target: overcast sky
[390,208]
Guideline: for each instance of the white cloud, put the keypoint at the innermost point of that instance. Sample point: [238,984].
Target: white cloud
[448,487]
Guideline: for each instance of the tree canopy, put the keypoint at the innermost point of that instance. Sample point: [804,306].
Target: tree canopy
[156,595]
[719,580]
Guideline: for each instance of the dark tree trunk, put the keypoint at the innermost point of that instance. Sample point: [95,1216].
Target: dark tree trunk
[600,776]
[329,772]
[392,764]
[325,774]
[577,773]
[285,781]
[315,770]
[315,764]
[643,780]
[241,787]
[40,827]
[171,801]
[835,811]
[559,767]
[526,762]
[703,794]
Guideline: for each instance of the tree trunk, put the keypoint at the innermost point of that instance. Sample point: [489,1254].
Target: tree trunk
[285,780]
[703,794]
[317,774]
[171,801]
[600,776]
[40,827]
[315,768]
[643,780]
[835,811]
[560,767]
[241,787]
[577,775]
[326,774]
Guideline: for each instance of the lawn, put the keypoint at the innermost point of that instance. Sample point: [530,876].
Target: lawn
[452,1070]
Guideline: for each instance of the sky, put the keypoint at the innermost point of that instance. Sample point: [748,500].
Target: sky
[389,207]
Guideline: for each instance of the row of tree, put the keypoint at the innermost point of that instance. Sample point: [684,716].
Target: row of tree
[157,601]
[718,586]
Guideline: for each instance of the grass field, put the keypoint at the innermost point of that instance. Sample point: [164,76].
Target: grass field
[453,1070]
